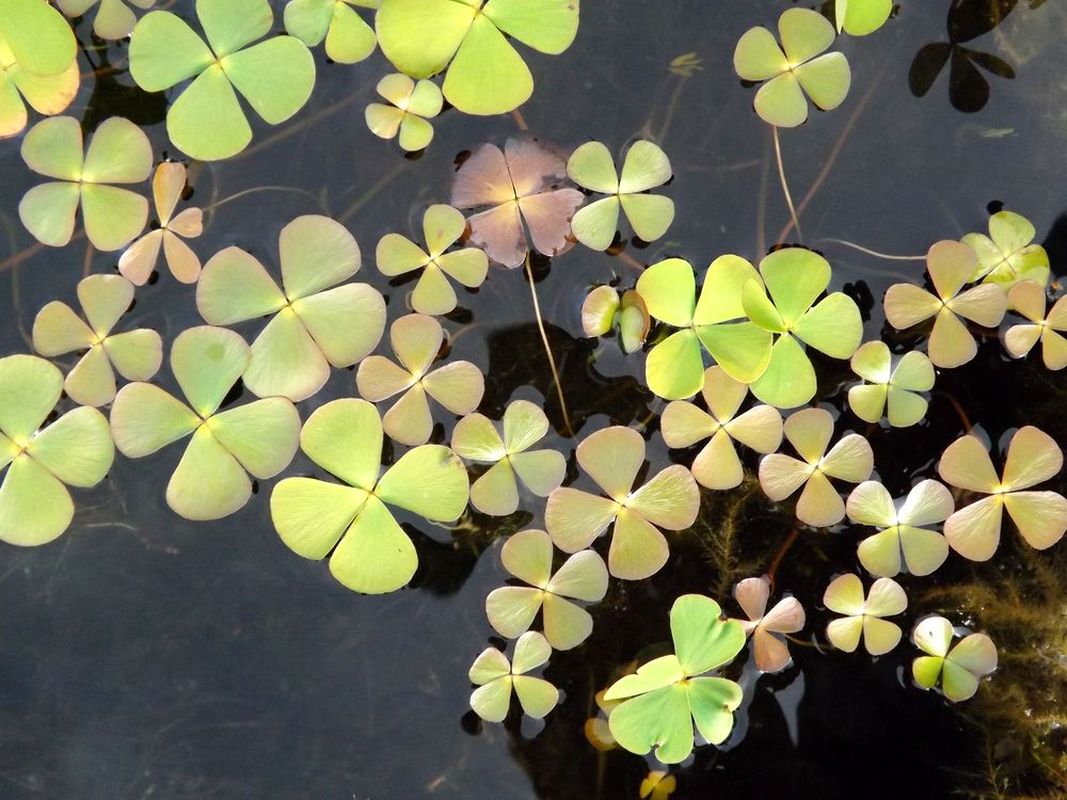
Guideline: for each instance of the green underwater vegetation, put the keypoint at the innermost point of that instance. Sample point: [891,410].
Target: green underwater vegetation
[764,395]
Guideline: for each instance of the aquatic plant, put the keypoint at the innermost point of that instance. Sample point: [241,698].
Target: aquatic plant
[413,104]
[1032,458]
[645,167]
[318,321]
[713,321]
[139,260]
[114,19]
[206,120]
[136,355]
[527,555]
[74,450]
[485,75]
[1008,254]
[890,389]
[784,304]
[523,184]
[767,628]
[39,39]
[903,539]
[416,340]
[612,457]
[657,785]
[717,465]
[861,17]
[350,522]
[667,696]
[596,729]
[1027,299]
[442,227]
[495,677]
[604,309]
[951,265]
[118,153]
[864,616]
[799,66]
[496,492]
[960,667]
[810,432]
[348,38]
[46,94]
[259,438]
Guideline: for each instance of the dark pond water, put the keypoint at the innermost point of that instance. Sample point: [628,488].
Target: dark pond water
[143,656]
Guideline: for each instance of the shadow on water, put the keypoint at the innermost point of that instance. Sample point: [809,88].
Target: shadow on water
[142,656]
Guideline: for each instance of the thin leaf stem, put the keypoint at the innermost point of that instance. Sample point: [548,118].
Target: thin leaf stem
[874,253]
[548,350]
[785,184]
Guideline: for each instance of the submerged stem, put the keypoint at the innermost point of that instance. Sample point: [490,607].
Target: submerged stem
[773,568]
[548,350]
[785,185]
[874,253]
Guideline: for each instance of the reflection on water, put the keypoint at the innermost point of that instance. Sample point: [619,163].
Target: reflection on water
[143,656]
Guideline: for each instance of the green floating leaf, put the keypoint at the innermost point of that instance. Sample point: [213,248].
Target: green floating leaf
[46,94]
[666,697]
[349,39]
[495,678]
[485,75]
[412,105]
[646,166]
[1027,299]
[206,120]
[904,540]
[370,551]
[314,326]
[136,355]
[38,36]
[76,450]
[793,69]
[1008,254]
[960,667]
[258,438]
[113,20]
[864,616]
[119,152]
[861,17]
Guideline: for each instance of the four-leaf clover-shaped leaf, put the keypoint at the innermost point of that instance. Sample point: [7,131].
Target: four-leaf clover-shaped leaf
[674,368]
[135,355]
[890,389]
[206,120]
[767,628]
[495,677]
[783,303]
[1008,254]
[528,556]
[485,73]
[350,521]
[211,480]
[314,326]
[475,438]
[864,616]
[1033,457]
[950,265]
[416,340]
[684,424]
[348,38]
[667,696]
[413,104]
[113,20]
[522,184]
[904,539]
[47,94]
[119,152]
[612,457]
[139,260]
[1028,299]
[960,668]
[74,450]
[851,460]
[794,68]
[442,227]
[645,167]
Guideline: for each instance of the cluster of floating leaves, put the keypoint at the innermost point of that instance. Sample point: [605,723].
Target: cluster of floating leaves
[754,323]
